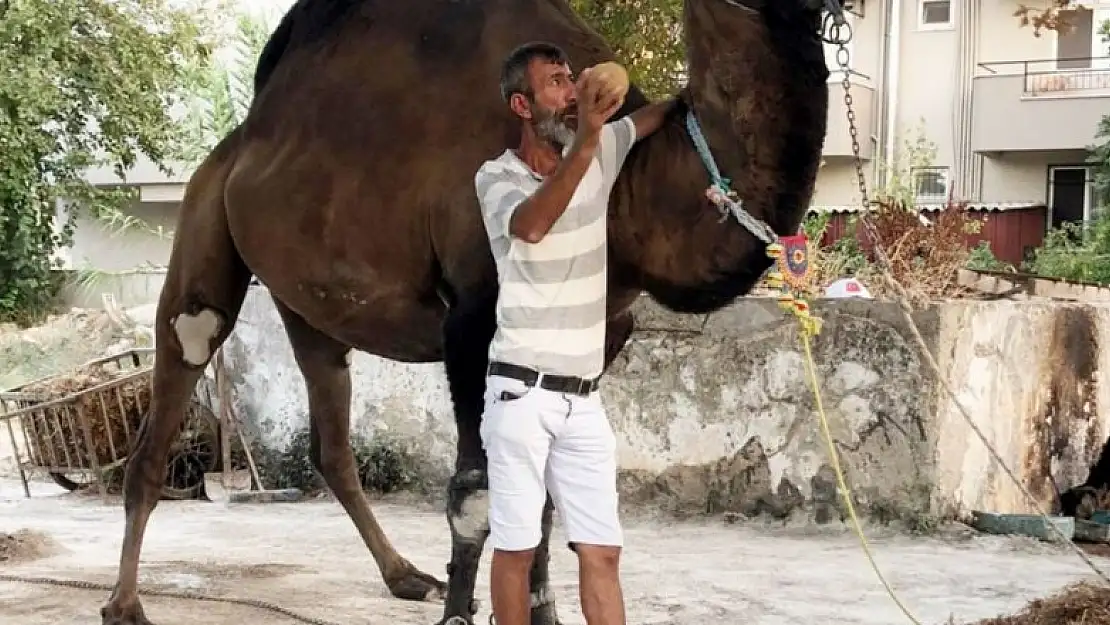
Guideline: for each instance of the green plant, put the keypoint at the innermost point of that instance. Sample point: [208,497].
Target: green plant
[982,258]
[1076,252]
[221,90]
[1100,160]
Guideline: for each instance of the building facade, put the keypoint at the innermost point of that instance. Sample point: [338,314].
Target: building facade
[1010,114]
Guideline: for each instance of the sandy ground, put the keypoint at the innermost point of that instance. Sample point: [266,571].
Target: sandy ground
[707,572]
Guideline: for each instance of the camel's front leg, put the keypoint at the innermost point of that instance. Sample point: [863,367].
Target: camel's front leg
[325,364]
[467,334]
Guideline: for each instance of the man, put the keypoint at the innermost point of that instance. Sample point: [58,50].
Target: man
[544,427]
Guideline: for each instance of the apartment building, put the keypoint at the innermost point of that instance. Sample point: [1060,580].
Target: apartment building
[1010,114]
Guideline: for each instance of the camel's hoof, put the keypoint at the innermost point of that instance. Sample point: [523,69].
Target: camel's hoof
[415,585]
[456,620]
[127,614]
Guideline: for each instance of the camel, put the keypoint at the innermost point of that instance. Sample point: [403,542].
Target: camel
[348,191]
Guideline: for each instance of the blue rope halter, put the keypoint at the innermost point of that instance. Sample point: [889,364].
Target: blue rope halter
[719,191]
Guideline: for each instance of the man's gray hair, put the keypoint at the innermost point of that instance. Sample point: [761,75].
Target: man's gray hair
[514,71]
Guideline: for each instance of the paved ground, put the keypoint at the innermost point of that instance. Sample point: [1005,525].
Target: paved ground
[682,573]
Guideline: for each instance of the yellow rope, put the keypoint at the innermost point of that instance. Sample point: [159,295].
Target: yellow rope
[811,373]
[791,256]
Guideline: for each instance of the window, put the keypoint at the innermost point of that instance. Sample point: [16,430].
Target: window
[934,14]
[930,184]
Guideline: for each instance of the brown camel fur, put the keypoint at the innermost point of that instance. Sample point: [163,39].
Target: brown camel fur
[349,192]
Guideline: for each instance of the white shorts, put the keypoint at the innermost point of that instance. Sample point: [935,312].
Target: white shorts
[544,441]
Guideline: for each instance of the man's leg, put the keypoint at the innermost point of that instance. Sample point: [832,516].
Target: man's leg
[517,445]
[582,477]
[600,583]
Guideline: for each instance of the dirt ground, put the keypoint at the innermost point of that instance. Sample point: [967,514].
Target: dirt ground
[674,573]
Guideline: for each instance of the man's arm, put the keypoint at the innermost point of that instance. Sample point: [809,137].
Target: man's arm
[533,218]
[649,118]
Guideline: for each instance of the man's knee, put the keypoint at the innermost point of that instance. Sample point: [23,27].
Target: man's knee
[515,557]
[598,557]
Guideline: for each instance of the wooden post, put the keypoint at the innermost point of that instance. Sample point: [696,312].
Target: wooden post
[225,420]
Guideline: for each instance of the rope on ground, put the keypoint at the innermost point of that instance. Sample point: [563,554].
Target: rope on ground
[171,594]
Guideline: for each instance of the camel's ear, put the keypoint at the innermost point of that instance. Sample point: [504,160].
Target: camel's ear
[520,105]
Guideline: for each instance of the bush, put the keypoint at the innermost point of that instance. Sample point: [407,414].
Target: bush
[1075,252]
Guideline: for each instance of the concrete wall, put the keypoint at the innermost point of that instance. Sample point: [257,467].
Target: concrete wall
[135,287]
[105,248]
[129,264]
[715,414]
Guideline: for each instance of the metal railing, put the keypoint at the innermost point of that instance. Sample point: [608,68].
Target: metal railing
[1073,75]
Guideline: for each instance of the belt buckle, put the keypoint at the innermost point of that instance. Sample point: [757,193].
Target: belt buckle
[583,387]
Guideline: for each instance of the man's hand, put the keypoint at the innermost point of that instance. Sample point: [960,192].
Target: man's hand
[598,99]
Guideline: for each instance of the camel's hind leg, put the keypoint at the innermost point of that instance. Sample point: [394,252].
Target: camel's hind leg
[204,290]
[325,364]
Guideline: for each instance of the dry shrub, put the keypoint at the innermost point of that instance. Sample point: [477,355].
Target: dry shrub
[924,258]
[55,436]
[1078,604]
[25,545]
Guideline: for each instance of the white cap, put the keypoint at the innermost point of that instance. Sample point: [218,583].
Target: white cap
[847,287]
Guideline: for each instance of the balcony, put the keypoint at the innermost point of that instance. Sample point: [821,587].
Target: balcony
[1050,104]
[838,142]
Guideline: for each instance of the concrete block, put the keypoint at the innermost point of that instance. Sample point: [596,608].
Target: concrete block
[1025,525]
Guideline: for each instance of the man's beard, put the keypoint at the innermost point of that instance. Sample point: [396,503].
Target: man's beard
[555,127]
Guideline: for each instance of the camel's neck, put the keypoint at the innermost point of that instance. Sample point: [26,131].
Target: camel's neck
[666,236]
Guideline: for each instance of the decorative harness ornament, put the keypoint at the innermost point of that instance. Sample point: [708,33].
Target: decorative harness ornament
[791,253]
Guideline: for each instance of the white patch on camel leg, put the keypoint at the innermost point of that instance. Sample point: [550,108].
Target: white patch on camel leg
[473,518]
[195,333]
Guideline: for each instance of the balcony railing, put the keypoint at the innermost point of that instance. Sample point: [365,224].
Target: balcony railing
[1074,76]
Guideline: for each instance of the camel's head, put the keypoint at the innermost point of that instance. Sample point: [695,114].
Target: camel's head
[758,87]
[726,33]
[766,49]
[793,10]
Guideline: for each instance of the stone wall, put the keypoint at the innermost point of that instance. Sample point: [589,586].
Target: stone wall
[714,413]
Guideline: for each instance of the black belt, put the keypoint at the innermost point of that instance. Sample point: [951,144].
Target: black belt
[558,383]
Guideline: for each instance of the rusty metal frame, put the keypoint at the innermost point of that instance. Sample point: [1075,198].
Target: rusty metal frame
[78,452]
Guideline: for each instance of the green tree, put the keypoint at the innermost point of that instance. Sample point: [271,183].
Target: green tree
[647,37]
[82,83]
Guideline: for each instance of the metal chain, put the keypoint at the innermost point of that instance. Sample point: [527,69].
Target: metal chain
[839,34]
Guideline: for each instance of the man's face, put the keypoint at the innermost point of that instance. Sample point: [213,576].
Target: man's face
[553,106]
